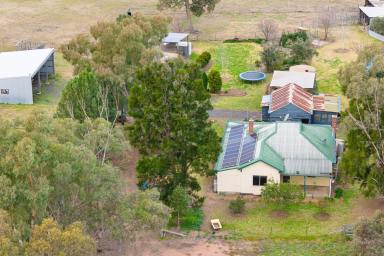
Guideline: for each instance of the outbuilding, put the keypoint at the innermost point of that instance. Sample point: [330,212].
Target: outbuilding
[368,13]
[176,44]
[22,73]
[304,79]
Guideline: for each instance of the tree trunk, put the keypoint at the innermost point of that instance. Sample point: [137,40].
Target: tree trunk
[178,220]
[189,15]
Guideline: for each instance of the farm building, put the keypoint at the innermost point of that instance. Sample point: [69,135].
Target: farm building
[282,78]
[254,154]
[22,72]
[367,13]
[374,3]
[175,45]
[293,103]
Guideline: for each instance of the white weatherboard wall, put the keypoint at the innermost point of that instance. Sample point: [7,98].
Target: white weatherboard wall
[16,90]
[236,181]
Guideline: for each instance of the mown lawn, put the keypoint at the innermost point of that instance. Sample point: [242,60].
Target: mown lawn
[231,59]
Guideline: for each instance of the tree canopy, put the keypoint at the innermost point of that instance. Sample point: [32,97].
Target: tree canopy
[362,82]
[195,7]
[377,25]
[171,130]
[49,238]
[54,168]
[88,96]
[114,50]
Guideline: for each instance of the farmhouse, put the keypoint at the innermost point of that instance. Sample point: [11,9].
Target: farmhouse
[282,78]
[292,102]
[256,153]
[21,73]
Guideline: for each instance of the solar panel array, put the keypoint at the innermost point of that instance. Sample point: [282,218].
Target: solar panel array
[238,151]
[233,146]
[248,150]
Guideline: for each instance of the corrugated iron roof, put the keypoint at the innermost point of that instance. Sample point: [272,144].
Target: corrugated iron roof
[373,12]
[296,95]
[304,79]
[291,94]
[292,148]
[23,63]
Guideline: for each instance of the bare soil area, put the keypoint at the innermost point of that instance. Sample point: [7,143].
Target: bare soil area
[54,22]
[278,214]
[233,92]
[126,161]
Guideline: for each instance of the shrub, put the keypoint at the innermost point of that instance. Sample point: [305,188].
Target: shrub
[248,40]
[289,38]
[214,80]
[377,25]
[324,205]
[300,52]
[204,59]
[258,63]
[237,206]
[283,193]
[272,57]
[339,192]
[205,80]
[192,220]
[369,236]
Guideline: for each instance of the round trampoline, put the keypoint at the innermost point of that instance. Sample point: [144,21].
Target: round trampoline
[252,76]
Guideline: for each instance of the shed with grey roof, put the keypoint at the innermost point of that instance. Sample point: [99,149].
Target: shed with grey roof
[21,72]
[281,78]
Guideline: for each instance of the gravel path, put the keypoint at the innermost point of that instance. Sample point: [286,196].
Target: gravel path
[234,114]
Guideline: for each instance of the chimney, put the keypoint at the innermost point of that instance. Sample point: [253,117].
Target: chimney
[250,126]
[334,125]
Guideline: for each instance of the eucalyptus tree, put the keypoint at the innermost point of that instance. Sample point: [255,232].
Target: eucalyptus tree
[362,82]
[192,7]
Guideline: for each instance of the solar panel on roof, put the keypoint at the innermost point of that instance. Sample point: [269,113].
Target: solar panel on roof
[247,150]
[232,151]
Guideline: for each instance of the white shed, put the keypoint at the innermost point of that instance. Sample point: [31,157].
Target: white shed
[21,72]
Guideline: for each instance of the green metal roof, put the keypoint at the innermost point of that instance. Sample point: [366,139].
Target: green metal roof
[292,148]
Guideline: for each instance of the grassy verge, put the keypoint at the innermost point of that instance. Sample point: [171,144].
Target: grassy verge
[258,224]
[336,246]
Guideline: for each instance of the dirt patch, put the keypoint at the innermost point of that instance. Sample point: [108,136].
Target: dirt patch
[126,161]
[322,216]
[319,43]
[342,50]
[150,244]
[366,208]
[233,93]
[278,214]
